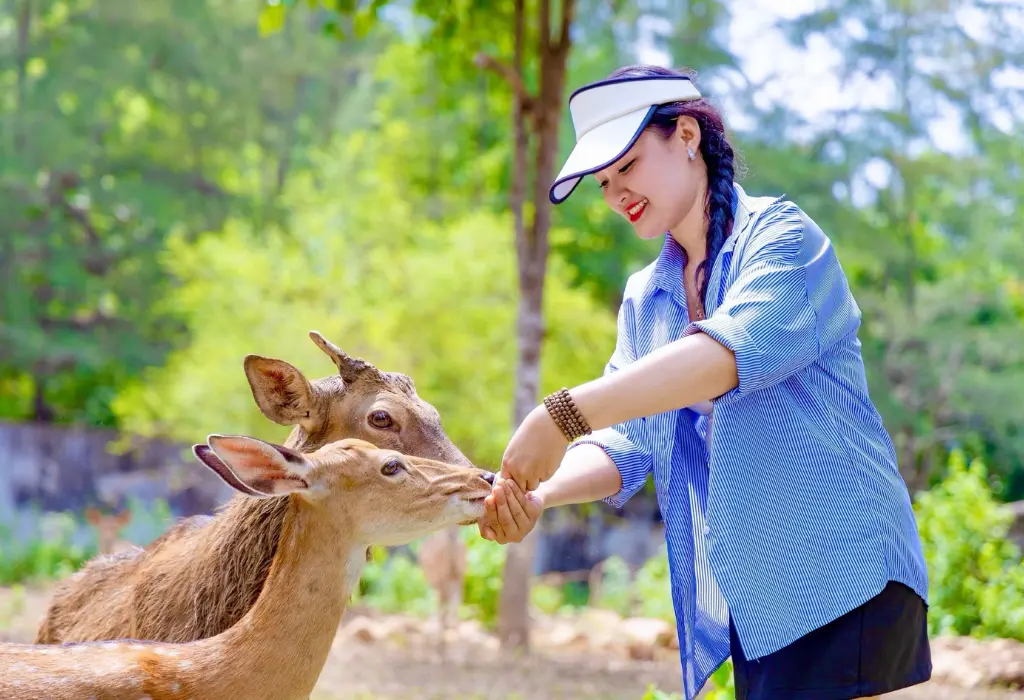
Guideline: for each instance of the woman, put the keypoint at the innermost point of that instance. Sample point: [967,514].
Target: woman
[737,382]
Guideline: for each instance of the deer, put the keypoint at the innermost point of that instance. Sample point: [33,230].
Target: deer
[442,558]
[206,571]
[108,526]
[338,500]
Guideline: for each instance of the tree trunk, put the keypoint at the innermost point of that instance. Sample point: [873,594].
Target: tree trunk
[532,255]
[20,120]
[41,411]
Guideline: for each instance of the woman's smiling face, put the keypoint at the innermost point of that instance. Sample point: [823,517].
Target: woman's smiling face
[655,184]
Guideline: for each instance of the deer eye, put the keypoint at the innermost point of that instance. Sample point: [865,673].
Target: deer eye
[392,467]
[381,419]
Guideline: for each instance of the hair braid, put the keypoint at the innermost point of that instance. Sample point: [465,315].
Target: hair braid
[718,208]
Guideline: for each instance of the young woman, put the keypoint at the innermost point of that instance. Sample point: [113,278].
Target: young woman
[737,382]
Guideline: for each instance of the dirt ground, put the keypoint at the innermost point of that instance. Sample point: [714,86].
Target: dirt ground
[411,667]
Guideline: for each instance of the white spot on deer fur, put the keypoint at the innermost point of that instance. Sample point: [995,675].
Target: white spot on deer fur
[185,664]
[138,647]
[175,687]
[165,651]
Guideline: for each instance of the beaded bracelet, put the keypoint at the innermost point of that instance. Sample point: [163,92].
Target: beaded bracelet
[565,414]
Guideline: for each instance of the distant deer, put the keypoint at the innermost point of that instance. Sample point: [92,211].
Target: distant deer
[108,528]
[338,501]
[202,575]
[442,558]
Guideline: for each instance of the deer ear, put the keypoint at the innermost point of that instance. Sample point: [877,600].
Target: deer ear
[254,467]
[282,392]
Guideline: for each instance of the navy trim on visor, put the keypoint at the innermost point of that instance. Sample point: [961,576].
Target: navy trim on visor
[626,79]
[581,174]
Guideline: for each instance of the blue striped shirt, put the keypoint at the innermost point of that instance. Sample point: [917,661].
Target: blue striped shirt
[789,510]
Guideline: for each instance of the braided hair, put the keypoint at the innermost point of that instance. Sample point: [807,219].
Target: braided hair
[718,157]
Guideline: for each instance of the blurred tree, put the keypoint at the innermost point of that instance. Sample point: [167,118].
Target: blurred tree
[923,192]
[117,134]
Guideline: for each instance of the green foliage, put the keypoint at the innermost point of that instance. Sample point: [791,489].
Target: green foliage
[44,554]
[395,584]
[976,577]
[653,693]
[653,588]
[442,311]
[723,682]
[616,591]
[485,561]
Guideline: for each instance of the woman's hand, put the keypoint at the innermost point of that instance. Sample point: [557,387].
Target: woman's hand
[535,450]
[510,513]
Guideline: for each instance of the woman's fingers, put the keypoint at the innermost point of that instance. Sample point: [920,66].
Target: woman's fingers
[517,506]
[505,519]
[491,516]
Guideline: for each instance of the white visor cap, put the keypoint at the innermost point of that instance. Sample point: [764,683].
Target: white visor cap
[609,117]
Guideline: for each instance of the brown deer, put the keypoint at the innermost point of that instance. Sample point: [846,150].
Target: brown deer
[337,501]
[203,574]
[442,557]
[108,526]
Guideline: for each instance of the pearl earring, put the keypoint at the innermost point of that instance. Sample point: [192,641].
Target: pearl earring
[689,152]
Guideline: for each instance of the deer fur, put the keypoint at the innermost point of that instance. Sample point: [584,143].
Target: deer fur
[203,574]
[337,501]
[442,558]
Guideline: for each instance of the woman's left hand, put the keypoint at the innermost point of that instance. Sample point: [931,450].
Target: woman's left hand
[535,450]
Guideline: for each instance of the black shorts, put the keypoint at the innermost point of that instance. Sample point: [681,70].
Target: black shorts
[876,648]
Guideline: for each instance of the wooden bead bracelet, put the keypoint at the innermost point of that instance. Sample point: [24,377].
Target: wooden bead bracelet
[566,415]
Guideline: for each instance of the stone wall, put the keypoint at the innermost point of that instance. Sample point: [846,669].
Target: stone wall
[57,468]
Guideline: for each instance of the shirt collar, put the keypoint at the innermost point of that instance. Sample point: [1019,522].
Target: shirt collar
[668,268]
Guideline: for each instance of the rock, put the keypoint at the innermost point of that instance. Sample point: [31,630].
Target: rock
[976,663]
[564,635]
[648,631]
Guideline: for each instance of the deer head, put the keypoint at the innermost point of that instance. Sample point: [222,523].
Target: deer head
[380,496]
[108,527]
[361,402]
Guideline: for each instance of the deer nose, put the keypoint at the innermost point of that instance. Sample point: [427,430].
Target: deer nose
[488,477]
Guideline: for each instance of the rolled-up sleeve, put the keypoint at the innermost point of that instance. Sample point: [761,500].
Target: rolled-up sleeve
[789,302]
[627,443]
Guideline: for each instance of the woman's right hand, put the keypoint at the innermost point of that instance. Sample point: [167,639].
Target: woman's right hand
[511,513]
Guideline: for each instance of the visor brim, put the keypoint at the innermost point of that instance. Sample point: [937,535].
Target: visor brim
[599,148]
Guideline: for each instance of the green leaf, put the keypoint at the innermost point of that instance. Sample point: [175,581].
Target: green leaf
[271,18]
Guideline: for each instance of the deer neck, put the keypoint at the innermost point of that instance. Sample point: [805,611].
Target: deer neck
[295,619]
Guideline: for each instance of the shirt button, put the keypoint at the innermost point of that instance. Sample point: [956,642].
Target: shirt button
[707,530]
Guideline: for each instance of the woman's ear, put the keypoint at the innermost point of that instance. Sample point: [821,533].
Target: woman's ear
[688,131]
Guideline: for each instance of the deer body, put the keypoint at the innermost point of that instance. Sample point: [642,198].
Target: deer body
[205,573]
[443,561]
[279,647]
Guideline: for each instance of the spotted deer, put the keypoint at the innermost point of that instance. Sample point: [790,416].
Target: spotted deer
[203,574]
[108,527]
[337,501]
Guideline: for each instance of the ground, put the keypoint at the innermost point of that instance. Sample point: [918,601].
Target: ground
[408,666]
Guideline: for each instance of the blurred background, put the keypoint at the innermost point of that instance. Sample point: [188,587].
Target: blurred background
[185,183]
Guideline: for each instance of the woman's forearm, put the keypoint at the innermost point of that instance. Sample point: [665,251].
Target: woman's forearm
[685,372]
[586,474]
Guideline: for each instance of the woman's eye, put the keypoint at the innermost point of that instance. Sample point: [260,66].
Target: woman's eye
[391,467]
[380,419]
